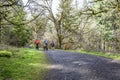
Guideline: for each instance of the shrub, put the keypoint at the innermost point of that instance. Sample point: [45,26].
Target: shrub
[5,53]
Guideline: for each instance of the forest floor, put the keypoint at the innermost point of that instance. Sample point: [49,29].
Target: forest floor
[75,66]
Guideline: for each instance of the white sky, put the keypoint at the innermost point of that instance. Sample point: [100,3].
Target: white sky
[56,3]
[24,1]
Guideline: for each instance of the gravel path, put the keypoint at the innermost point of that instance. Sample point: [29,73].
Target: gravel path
[74,66]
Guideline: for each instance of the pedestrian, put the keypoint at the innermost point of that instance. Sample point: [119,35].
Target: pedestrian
[37,43]
[52,45]
[67,46]
[45,44]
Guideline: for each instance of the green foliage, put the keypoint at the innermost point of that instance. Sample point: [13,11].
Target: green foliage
[25,64]
[5,53]
[12,30]
[19,36]
[105,14]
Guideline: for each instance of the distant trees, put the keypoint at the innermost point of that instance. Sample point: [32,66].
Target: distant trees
[106,17]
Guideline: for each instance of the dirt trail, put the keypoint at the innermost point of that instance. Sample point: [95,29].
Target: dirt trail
[74,66]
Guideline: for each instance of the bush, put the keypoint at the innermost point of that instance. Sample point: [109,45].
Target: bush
[5,54]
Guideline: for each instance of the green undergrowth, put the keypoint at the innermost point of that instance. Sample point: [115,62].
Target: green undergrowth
[114,56]
[24,64]
[5,53]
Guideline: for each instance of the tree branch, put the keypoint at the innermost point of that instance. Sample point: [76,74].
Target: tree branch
[8,5]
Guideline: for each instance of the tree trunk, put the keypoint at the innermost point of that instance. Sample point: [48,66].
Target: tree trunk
[104,46]
[57,26]
[0,29]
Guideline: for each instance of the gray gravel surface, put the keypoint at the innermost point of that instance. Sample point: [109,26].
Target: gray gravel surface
[75,66]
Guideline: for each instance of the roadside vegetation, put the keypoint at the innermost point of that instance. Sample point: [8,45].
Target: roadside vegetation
[114,56]
[22,64]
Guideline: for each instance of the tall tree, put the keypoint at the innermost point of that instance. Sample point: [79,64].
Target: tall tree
[47,6]
[65,24]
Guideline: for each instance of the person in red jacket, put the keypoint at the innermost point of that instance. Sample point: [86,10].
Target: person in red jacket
[37,43]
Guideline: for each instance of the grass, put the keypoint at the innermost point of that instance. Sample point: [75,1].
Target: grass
[25,64]
[114,56]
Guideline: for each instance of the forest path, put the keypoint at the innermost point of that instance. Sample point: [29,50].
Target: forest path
[75,66]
